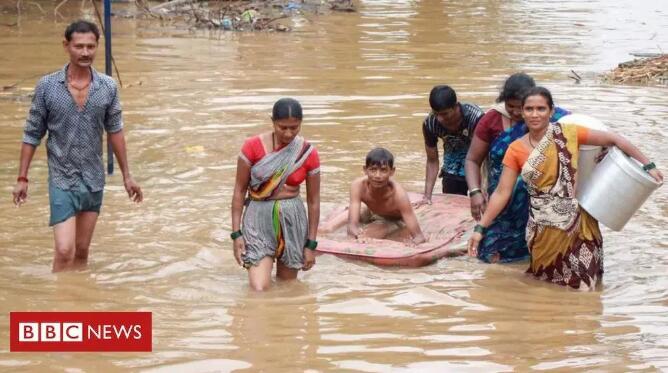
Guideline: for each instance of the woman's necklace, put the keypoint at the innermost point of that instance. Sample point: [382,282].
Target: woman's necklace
[273,142]
[531,143]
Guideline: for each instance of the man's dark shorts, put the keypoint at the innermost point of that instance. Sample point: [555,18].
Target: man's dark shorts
[67,203]
[454,184]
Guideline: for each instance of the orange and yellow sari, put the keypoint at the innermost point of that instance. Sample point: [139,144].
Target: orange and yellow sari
[564,240]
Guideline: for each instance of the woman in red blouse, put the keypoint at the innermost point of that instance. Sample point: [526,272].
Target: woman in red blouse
[505,239]
[276,226]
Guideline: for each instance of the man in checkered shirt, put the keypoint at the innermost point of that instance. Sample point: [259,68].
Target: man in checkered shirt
[75,105]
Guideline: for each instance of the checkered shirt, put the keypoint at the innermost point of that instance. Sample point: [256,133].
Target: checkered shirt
[74,144]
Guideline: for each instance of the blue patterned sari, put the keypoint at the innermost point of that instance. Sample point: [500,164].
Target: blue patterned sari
[506,235]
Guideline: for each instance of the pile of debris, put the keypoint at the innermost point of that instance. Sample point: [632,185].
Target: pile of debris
[653,69]
[240,15]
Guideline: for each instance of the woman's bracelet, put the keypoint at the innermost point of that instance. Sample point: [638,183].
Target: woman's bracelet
[480,229]
[473,191]
[649,166]
[311,244]
[236,234]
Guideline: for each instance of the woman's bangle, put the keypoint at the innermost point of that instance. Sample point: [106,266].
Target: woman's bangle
[649,166]
[311,244]
[480,229]
[22,178]
[236,234]
[473,191]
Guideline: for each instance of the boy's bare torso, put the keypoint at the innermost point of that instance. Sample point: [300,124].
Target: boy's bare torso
[381,202]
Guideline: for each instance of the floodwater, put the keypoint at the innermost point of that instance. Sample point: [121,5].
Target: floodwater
[190,98]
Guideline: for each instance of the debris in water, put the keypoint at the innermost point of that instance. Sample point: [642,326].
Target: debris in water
[230,15]
[650,70]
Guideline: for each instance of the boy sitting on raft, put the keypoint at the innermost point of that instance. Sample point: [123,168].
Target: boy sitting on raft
[386,208]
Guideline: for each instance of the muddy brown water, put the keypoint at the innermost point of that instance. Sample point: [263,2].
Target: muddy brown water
[363,79]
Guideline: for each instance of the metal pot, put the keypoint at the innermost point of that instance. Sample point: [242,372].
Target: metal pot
[618,187]
[587,153]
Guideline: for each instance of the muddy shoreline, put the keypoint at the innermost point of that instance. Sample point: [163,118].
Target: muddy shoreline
[227,15]
[268,15]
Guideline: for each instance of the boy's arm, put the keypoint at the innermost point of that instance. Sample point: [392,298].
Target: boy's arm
[354,209]
[408,216]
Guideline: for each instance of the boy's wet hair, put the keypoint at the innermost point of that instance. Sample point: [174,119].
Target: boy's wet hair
[380,157]
[287,108]
[81,27]
[442,97]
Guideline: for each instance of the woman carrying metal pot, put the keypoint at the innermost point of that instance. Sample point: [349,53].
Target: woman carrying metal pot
[564,241]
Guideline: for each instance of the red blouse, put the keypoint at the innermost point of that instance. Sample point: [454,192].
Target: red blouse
[490,126]
[253,151]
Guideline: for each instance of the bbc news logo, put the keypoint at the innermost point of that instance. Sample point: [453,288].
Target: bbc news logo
[80,331]
[74,332]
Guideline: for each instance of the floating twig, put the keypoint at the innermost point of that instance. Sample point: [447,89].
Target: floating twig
[56,13]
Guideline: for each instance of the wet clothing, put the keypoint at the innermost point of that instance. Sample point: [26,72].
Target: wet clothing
[455,144]
[253,150]
[565,242]
[518,153]
[74,144]
[505,239]
[454,184]
[490,125]
[277,228]
[67,203]
[368,217]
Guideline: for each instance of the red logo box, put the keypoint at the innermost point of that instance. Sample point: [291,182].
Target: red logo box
[80,331]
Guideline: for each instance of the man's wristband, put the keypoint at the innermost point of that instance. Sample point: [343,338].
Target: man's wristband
[474,191]
[311,244]
[236,234]
[480,229]
[22,178]
[649,166]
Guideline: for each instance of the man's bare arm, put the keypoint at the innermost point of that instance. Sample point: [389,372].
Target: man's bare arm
[431,172]
[117,140]
[20,192]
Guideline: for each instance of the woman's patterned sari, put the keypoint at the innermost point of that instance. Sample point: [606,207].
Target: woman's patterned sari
[565,241]
[270,172]
[270,226]
[506,234]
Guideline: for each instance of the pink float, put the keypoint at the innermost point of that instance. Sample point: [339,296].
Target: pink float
[446,222]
